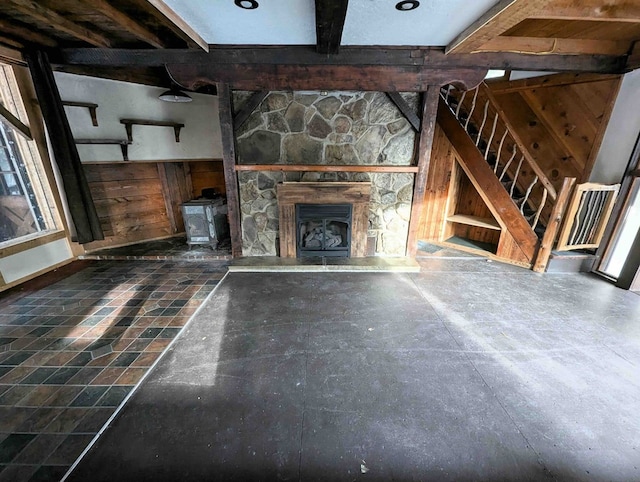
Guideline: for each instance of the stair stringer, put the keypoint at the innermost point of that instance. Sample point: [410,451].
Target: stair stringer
[518,242]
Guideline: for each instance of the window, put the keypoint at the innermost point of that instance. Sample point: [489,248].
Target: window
[26,208]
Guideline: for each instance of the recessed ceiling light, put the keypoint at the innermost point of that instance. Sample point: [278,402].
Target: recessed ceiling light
[407,5]
[247,4]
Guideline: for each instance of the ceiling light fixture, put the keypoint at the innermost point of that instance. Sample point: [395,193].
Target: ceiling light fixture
[174,95]
[247,4]
[407,5]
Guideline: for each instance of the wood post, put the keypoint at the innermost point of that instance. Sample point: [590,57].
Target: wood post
[425,143]
[229,166]
[542,259]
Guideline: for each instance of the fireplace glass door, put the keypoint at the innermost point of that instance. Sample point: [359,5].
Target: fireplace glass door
[323,229]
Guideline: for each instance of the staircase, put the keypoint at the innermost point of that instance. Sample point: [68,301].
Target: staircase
[523,204]
[514,188]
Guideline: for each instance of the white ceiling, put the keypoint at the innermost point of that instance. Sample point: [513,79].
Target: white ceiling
[292,22]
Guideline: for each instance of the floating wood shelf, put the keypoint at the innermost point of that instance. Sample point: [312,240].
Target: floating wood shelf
[88,105]
[124,144]
[129,123]
[487,223]
[323,168]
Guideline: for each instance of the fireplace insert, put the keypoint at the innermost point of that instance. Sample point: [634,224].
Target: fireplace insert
[323,229]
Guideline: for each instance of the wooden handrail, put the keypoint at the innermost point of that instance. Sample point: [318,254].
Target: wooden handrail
[521,145]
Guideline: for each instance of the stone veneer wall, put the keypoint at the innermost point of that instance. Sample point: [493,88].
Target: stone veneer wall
[339,128]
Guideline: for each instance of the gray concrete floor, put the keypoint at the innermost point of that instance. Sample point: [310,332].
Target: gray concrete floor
[468,370]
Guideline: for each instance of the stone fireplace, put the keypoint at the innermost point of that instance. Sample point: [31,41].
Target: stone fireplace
[298,196]
[305,130]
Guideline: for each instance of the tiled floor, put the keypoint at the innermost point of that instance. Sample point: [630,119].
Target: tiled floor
[70,354]
[175,248]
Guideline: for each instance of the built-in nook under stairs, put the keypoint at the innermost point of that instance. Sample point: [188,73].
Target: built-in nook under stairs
[501,200]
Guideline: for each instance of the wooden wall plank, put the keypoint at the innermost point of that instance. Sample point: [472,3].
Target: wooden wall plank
[437,187]
[206,175]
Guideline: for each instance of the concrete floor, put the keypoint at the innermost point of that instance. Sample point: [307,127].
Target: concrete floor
[468,370]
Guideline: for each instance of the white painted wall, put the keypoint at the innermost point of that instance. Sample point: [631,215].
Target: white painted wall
[621,134]
[199,139]
[24,264]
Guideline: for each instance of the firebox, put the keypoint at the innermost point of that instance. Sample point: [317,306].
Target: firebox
[323,229]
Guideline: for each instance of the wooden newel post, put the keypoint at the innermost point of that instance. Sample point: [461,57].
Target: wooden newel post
[542,259]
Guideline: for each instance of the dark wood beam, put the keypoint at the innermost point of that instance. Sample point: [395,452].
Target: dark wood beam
[12,43]
[306,55]
[225,110]
[330,17]
[251,104]
[154,76]
[129,24]
[425,145]
[178,25]
[40,13]
[404,108]
[25,34]
[16,123]
[633,60]
[323,77]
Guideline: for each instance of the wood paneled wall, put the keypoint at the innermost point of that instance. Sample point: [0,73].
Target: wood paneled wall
[437,189]
[141,201]
[561,125]
[206,174]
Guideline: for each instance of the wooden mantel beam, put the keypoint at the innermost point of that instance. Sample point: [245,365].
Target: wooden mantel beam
[330,17]
[500,18]
[433,58]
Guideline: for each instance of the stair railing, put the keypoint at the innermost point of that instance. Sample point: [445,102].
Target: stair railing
[525,181]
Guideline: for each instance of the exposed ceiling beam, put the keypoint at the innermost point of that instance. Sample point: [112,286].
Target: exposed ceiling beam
[540,46]
[330,17]
[596,10]
[40,13]
[323,77]
[130,25]
[183,28]
[154,76]
[26,34]
[425,57]
[499,19]
[9,42]
[553,80]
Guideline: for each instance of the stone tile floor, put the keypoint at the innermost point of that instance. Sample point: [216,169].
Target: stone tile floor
[175,248]
[71,353]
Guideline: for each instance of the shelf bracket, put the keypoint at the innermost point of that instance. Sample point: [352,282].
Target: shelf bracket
[129,123]
[88,105]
